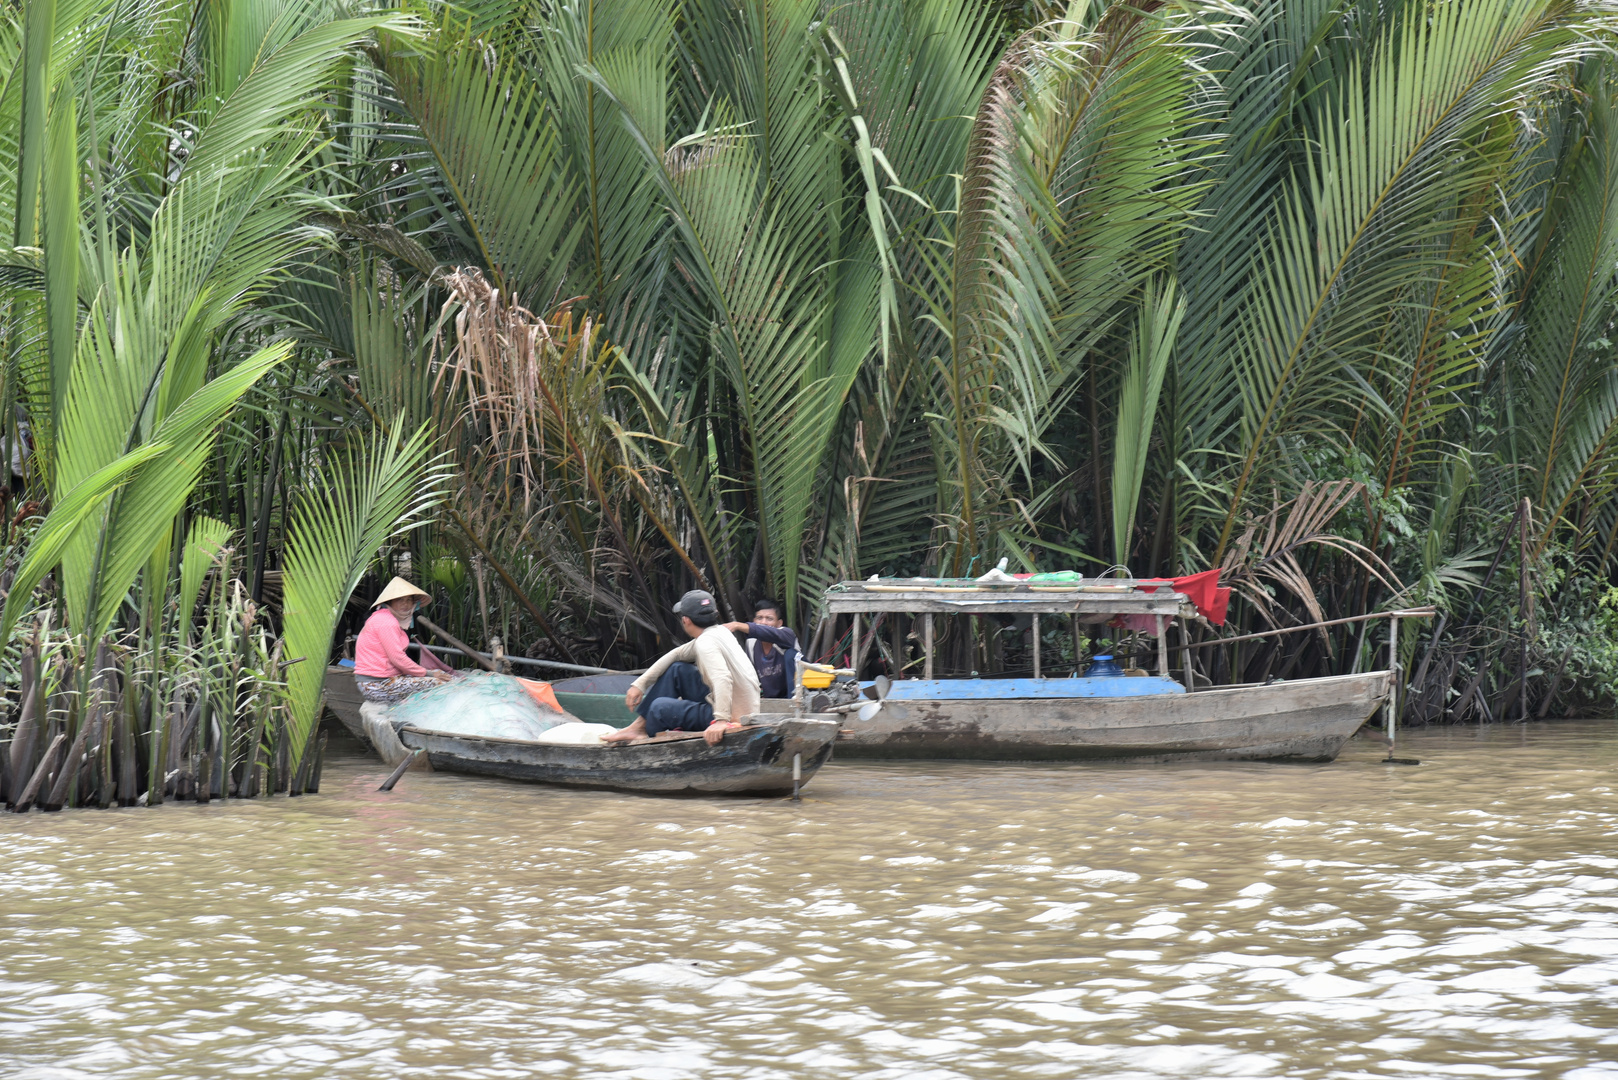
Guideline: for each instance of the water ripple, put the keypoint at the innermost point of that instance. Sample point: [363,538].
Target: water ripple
[919,921]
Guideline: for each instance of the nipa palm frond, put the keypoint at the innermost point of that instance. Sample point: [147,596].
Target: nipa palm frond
[368,497]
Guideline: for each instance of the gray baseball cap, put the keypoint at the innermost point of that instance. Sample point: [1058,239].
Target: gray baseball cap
[697,605]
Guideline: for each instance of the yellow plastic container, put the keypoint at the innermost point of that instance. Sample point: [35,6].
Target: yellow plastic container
[816,680]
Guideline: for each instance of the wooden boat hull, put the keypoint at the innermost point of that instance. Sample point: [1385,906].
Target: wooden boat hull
[1304,720]
[752,761]
[586,701]
[343,701]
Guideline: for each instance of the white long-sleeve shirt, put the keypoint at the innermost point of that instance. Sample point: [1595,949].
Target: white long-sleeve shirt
[732,681]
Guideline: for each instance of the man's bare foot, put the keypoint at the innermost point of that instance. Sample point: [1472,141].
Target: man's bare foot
[629,734]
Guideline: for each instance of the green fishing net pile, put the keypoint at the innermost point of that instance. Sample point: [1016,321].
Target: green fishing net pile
[478,703]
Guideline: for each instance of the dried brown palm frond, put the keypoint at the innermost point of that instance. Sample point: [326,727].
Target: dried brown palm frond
[1268,549]
[537,430]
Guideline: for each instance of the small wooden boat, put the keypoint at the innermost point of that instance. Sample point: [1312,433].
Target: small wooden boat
[1136,717]
[754,760]
[759,759]
[597,699]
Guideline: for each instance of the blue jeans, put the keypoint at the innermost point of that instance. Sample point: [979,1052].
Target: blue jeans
[677,701]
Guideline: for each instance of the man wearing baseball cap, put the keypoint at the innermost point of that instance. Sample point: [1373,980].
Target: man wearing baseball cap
[705,685]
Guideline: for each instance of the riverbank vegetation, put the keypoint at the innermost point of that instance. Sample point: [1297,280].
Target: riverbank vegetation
[564,307]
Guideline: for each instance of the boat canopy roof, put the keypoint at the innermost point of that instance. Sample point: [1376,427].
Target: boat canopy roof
[1093,596]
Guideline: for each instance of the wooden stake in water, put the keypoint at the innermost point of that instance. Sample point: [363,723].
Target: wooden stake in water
[1394,671]
[1393,688]
[1522,610]
[797,776]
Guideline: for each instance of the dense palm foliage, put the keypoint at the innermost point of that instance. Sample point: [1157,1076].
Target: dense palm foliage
[761,294]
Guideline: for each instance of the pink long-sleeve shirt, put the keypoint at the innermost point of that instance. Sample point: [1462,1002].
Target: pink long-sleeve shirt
[380,650]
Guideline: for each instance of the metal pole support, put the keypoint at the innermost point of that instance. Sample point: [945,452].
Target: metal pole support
[927,645]
[1185,654]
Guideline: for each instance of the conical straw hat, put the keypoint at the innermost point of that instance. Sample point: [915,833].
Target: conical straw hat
[396,588]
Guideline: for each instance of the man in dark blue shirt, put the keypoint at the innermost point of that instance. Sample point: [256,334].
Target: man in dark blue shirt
[773,647]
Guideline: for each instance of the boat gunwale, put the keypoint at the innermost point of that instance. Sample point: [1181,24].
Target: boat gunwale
[684,736]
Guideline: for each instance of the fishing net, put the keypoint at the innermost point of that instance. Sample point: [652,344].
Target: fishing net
[479,703]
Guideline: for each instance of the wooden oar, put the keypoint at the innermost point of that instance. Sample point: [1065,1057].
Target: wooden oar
[455,642]
[393,778]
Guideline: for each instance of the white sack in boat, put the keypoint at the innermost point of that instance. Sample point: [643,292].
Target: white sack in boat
[478,703]
[578,733]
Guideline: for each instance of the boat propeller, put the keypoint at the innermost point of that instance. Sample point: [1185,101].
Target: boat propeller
[883,686]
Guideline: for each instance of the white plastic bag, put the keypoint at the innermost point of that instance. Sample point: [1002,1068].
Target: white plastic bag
[578,733]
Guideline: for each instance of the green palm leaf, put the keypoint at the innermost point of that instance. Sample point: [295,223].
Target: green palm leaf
[1161,312]
[205,539]
[143,514]
[272,71]
[1563,363]
[74,511]
[749,198]
[487,136]
[1360,227]
[617,195]
[367,499]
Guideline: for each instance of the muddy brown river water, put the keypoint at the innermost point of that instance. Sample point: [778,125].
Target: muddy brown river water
[924,921]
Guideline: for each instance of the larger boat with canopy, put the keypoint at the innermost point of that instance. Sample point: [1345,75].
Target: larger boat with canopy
[1104,713]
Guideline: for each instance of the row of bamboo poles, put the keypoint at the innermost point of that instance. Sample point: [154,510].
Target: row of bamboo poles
[99,738]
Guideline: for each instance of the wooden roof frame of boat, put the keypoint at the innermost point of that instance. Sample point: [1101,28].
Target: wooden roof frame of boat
[1099,596]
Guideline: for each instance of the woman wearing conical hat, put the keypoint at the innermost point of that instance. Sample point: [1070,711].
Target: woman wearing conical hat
[383,669]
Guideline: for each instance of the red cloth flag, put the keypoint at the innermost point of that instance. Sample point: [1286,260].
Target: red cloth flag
[1201,589]
[1204,592]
